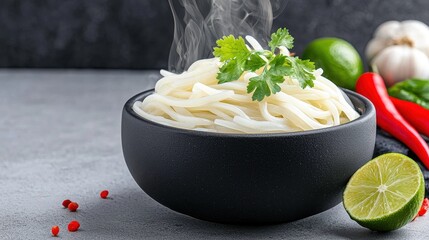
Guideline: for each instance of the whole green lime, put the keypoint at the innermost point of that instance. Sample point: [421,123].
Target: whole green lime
[339,60]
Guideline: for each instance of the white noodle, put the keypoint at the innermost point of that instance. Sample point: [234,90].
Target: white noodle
[194,100]
[254,43]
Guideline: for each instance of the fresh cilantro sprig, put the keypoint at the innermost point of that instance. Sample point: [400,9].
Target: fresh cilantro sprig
[237,58]
[281,38]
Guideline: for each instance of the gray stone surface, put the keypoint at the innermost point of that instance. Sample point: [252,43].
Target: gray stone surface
[60,138]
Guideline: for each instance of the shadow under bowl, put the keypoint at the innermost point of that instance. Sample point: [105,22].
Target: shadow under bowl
[247,178]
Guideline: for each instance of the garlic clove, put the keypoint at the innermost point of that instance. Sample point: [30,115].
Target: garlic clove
[383,36]
[414,26]
[373,48]
[426,50]
[417,32]
[386,65]
[400,62]
[387,30]
[420,61]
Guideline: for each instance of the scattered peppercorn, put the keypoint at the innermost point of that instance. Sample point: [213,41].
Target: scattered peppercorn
[424,207]
[73,226]
[66,203]
[104,194]
[73,206]
[55,230]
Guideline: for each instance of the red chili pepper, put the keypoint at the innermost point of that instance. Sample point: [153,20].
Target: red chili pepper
[73,206]
[104,194]
[415,114]
[73,226]
[55,230]
[66,203]
[424,207]
[372,86]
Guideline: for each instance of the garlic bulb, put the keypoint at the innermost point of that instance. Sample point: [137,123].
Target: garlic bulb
[400,50]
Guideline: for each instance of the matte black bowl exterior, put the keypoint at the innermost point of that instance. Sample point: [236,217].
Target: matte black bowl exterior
[246,178]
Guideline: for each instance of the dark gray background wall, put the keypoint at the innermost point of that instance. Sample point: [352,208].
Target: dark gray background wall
[136,34]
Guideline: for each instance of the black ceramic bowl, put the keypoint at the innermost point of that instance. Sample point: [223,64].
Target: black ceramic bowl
[246,178]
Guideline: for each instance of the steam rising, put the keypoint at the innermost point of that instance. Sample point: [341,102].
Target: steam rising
[199,23]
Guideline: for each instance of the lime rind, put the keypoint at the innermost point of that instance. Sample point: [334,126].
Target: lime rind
[340,61]
[386,193]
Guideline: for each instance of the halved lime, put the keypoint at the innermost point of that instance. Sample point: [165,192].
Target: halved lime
[386,193]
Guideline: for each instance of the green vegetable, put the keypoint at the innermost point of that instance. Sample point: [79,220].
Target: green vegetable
[281,38]
[413,90]
[237,59]
[339,60]
[386,193]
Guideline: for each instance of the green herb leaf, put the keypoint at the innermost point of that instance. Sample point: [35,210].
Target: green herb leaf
[254,63]
[278,66]
[230,71]
[263,85]
[302,70]
[281,38]
[234,53]
[230,47]
[260,89]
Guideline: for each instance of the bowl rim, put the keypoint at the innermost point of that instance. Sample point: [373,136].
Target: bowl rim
[367,114]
